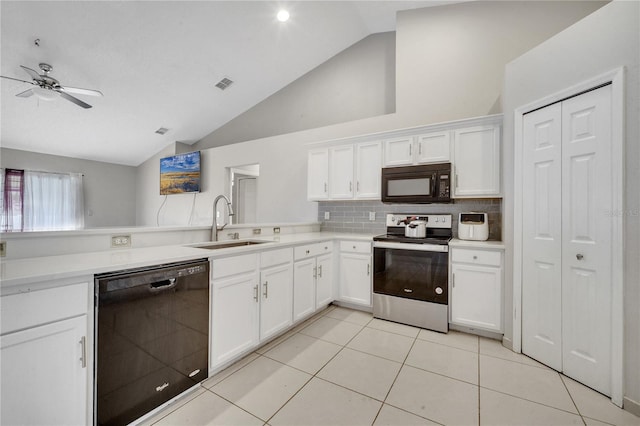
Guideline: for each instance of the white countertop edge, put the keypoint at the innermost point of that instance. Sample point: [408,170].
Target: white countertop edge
[20,272]
[477,244]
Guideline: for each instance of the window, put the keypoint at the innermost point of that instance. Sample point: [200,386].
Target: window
[41,201]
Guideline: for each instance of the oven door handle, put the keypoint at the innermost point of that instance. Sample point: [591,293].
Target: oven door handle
[411,246]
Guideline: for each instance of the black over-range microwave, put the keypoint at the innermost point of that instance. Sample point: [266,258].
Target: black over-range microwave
[428,183]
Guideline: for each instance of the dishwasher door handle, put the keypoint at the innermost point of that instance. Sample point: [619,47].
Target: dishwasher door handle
[163,285]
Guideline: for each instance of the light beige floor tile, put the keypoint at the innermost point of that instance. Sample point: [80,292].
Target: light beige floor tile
[350,315]
[323,403]
[392,416]
[212,381]
[453,338]
[532,383]
[304,352]
[262,387]
[172,407]
[597,406]
[394,327]
[593,422]
[275,342]
[364,373]
[209,409]
[494,348]
[381,343]
[500,409]
[437,398]
[446,360]
[332,330]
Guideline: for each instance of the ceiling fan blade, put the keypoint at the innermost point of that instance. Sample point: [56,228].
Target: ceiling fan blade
[79,91]
[34,75]
[74,100]
[26,93]
[17,79]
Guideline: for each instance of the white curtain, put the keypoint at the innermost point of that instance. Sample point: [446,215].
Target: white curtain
[53,201]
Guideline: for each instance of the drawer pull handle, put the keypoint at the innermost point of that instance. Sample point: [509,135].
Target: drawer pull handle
[368,269]
[255,293]
[266,289]
[83,351]
[320,271]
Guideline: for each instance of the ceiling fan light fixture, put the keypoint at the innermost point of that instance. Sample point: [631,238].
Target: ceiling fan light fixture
[45,94]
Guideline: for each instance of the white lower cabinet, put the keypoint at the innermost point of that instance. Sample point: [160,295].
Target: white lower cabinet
[355,273]
[251,301]
[312,279]
[276,299]
[45,379]
[476,288]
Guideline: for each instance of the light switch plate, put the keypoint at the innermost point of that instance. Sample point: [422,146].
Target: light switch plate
[327,215]
[3,248]
[372,215]
[120,241]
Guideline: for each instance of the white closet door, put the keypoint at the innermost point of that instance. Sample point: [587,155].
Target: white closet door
[586,234]
[542,237]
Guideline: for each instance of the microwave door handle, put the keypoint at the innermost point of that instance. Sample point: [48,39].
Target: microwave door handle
[433,184]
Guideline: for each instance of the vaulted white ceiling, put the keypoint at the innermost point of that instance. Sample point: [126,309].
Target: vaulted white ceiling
[157,63]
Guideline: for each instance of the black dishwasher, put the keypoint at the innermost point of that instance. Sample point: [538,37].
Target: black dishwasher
[152,337]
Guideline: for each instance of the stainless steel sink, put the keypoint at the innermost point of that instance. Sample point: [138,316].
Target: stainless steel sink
[227,244]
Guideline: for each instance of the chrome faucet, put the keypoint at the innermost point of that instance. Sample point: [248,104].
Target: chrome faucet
[215,228]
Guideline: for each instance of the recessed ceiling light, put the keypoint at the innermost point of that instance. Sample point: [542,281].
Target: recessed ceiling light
[283,16]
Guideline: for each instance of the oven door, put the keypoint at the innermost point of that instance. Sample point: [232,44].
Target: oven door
[411,271]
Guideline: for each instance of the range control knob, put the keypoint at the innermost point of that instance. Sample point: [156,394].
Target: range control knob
[438,290]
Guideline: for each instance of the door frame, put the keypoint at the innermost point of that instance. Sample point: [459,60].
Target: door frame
[617,80]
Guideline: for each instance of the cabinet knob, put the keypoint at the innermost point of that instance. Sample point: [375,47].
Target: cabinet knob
[579,256]
[307,251]
[475,257]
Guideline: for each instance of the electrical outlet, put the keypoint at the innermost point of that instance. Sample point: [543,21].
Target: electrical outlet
[276,230]
[327,215]
[3,248]
[372,215]
[257,231]
[120,241]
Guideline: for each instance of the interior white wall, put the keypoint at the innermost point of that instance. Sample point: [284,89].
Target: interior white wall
[603,41]
[109,189]
[450,59]
[282,188]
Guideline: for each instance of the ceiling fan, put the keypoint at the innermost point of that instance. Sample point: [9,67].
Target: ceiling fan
[48,87]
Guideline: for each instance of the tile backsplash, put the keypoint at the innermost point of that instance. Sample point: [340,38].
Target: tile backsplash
[353,216]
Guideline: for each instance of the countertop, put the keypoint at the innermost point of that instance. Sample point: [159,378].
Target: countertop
[18,275]
[498,245]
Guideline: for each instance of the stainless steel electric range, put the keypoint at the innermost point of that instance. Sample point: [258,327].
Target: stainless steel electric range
[411,275]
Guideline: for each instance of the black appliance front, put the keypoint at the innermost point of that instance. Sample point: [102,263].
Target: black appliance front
[428,183]
[152,334]
[411,274]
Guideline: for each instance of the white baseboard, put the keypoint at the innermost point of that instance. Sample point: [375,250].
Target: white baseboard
[631,406]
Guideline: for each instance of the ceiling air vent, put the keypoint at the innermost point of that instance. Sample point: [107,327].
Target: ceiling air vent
[162,131]
[224,83]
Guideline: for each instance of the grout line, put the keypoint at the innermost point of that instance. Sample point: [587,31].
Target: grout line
[235,405]
[572,400]
[532,401]
[479,400]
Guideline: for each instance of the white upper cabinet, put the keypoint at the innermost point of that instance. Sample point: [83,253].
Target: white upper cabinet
[476,160]
[341,172]
[318,174]
[398,151]
[368,168]
[432,147]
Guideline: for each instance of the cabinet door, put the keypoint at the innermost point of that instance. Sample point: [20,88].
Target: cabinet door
[355,278]
[341,185]
[368,170]
[318,175]
[276,305]
[234,316]
[476,296]
[324,281]
[304,288]
[434,147]
[44,378]
[398,151]
[477,162]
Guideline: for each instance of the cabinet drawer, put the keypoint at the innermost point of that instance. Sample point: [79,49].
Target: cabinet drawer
[275,257]
[24,310]
[477,257]
[355,247]
[234,265]
[311,250]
